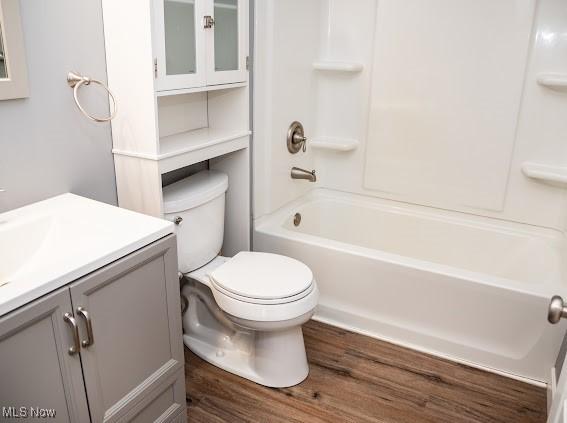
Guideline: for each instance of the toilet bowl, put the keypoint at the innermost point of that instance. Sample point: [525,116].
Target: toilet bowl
[244,313]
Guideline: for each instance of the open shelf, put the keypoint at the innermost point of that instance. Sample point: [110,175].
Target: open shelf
[166,93]
[191,147]
[555,175]
[553,81]
[334,144]
[187,148]
[329,66]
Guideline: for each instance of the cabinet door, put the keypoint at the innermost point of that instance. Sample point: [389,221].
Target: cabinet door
[179,44]
[36,368]
[134,356]
[227,41]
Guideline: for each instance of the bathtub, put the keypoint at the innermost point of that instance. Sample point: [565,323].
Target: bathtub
[467,288]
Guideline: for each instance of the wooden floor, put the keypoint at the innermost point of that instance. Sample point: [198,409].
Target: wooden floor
[358,379]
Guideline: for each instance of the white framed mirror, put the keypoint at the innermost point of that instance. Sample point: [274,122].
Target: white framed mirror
[13,69]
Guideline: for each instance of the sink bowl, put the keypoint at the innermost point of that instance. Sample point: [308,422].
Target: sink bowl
[49,244]
[20,240]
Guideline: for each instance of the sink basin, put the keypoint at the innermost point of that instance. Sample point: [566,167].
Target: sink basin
[20,240]
[49,244]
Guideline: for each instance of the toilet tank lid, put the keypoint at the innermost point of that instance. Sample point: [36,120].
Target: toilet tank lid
[194,191]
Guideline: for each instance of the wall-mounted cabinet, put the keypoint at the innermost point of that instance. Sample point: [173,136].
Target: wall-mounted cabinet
[199,43]
[179,76]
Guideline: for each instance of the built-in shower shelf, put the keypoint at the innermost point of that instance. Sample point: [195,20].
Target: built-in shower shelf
[352,67]
[554,81]
[334,144]
[555,175]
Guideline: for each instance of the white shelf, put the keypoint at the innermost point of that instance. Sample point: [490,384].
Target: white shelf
[166,93]
[187,148]
[553,81]
[334,144]
[555,175]
[351,67]
[180,150]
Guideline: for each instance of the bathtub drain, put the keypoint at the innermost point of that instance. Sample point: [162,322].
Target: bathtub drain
[297,219]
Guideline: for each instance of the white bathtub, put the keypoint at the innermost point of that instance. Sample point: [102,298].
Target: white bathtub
[468,288]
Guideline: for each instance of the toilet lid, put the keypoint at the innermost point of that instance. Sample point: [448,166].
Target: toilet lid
[263,276]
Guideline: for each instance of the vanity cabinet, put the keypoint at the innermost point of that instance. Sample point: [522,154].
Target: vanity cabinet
[199,43]
[123,362]
[36,369]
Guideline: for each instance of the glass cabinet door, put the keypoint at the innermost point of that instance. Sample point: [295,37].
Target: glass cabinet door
[179,47]
[227,51]
[226,35]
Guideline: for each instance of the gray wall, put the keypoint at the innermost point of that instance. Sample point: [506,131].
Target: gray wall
[46,146]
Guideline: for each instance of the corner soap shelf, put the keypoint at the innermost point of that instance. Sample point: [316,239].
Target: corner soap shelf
[555,175]
[554,81]
[350,67]
[334,144]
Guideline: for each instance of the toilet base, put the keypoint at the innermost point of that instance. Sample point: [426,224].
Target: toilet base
[268,353]
[275,359]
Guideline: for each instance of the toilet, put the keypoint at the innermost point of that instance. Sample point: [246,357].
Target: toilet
[244,314]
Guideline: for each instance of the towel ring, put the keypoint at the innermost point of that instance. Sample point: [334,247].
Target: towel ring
[76,81]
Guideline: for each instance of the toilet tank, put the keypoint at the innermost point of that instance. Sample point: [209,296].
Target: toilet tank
[196,205]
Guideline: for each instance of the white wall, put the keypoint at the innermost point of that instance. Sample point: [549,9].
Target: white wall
[46,146]
[524,121]
[286,41]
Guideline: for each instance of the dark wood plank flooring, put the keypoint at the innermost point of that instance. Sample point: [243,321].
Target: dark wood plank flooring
[354,378]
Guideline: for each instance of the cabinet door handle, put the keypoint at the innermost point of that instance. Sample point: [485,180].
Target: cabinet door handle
[69,319]
[208,21]
[81,311]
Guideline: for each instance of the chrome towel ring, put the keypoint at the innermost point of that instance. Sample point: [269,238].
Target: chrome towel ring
[76,81]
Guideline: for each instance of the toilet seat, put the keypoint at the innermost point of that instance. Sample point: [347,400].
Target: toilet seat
[274,301]
[267,312]
[263,278]
[293,291]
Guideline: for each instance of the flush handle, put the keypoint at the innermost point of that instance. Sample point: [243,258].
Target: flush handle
[557,310]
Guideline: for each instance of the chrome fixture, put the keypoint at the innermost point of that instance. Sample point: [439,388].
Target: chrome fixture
[557,309]
[178,220]
[297,219]
[208,22]
[76,80]
[298,173]
[81,311]
[68,318]
[296,139]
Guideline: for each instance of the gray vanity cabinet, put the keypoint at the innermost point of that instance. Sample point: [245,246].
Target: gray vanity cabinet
[130,365]
[35,367]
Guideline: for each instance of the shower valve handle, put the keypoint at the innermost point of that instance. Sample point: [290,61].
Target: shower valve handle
[300,140]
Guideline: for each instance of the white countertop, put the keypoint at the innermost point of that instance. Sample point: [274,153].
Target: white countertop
[48,244]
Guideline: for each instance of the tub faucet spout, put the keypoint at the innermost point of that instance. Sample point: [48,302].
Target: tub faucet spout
[298,173]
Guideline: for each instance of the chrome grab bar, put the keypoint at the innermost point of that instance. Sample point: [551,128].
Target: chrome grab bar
[76,80]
